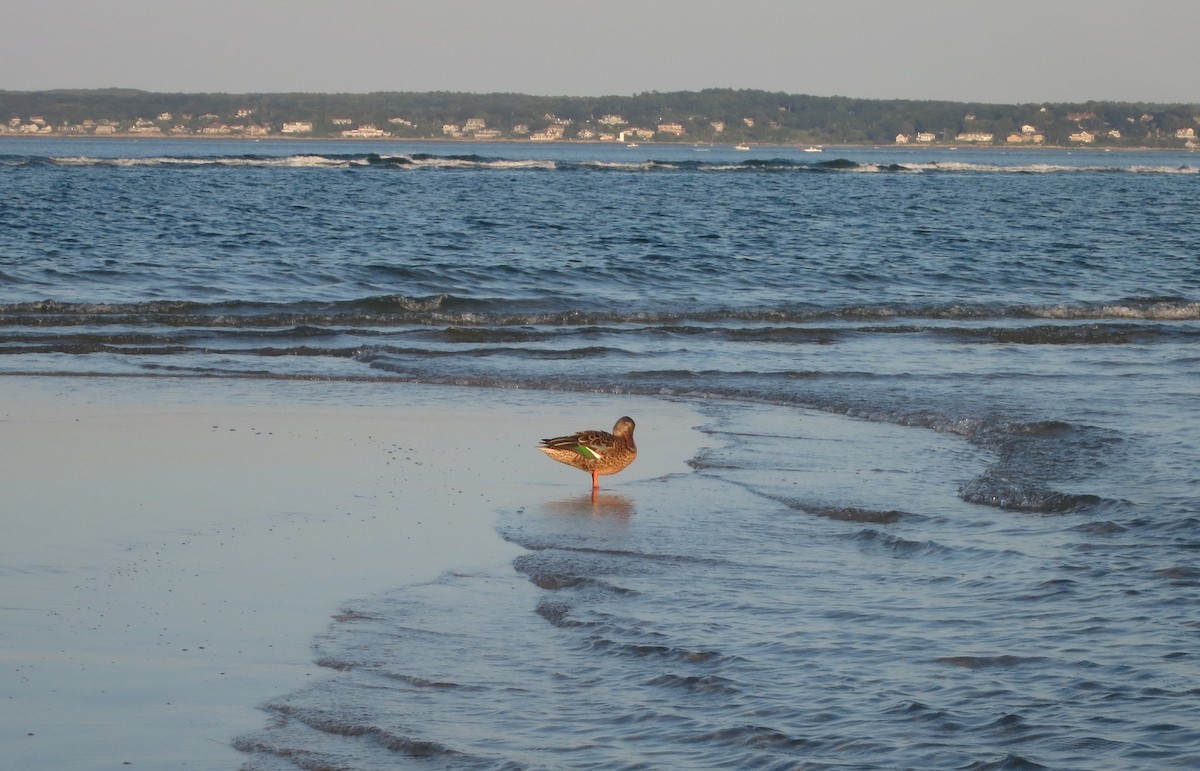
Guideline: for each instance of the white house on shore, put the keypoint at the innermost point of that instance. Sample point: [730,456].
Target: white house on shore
[924,137]
[366,131]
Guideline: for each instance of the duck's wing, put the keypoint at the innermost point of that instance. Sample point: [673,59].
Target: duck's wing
[593,445]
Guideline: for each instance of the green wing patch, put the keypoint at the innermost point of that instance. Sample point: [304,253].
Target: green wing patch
[587,452]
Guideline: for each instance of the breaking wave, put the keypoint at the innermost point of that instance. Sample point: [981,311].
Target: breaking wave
[429,161]
[490,311]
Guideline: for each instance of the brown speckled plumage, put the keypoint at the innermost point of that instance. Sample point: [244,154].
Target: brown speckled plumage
[596,452]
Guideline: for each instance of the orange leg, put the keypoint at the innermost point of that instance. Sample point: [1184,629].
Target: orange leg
[595,481]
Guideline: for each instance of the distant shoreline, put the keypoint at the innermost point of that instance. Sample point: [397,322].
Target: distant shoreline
[727,115]
[587,142]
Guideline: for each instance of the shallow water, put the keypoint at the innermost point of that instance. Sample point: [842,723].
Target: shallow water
[948,515]
[844,610]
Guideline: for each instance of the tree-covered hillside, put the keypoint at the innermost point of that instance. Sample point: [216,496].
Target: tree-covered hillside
[717,115]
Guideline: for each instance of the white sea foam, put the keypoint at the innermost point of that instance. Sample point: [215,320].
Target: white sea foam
[532,164]
[1041,168]
[506,164]
[312,161]
[1161,311]
[438,162]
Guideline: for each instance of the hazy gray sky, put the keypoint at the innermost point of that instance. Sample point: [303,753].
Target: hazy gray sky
[966,50]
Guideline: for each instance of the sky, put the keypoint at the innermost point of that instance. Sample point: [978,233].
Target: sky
[998,51]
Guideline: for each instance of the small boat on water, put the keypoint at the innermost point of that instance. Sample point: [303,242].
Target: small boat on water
[814,149]
[742,146]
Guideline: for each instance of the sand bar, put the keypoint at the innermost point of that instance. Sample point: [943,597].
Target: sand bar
[171,546]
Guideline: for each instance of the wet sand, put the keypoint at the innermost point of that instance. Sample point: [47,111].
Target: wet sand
[172,546]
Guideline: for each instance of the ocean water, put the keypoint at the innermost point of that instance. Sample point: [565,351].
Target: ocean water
[948,513]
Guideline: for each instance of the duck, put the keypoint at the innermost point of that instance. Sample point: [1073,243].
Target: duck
[596,452]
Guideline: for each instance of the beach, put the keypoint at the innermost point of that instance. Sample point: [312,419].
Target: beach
[172,546]
[273,499]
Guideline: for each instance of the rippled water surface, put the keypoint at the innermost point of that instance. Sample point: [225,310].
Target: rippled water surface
[947,513]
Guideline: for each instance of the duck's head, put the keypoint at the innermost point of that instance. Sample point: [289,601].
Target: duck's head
[624,429]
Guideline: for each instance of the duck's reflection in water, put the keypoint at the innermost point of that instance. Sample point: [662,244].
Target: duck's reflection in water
[595,504]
